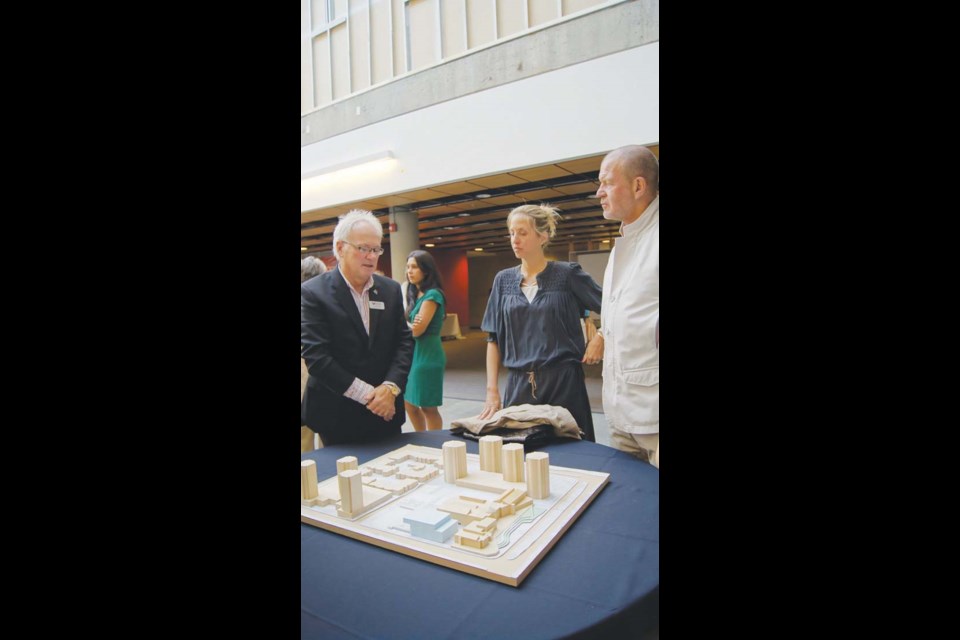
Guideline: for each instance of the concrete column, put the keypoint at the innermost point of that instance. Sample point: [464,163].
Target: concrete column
[402,241]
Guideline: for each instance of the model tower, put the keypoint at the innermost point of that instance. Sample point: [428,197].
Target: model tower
[491,448]
[513,462]
[455,461]
[538,475]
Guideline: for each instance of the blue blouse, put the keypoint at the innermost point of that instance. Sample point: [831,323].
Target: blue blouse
[547,330]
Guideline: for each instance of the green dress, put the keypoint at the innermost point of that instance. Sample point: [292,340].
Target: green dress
[425,382]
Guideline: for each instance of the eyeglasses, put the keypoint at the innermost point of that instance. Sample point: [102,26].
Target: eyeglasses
[366,250]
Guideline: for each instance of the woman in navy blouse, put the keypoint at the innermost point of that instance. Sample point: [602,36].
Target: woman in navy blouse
[533,318]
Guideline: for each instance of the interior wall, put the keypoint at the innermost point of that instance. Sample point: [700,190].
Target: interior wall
[381,42]
[422,28]
[453,13]
[360,62]
[482,272]
[455,272]
[617,102]
[540,11]
[594,263]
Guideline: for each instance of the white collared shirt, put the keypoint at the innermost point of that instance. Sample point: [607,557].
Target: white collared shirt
[362,300]
[358,389]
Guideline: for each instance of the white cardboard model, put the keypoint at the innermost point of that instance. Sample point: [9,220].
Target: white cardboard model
[440,506]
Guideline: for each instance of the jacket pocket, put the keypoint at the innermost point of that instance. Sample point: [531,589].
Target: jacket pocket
[643,377]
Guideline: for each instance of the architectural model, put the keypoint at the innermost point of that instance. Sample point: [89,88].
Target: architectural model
[494,515]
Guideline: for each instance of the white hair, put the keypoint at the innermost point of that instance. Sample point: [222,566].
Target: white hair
[310,267]
[350,220]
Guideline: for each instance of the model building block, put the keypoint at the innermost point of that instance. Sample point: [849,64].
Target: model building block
[454,460]
[513,462]
[478,533]
[431,525]
[308,482]
[384,469]
[515,500]
[421,474]
[393,485]
[471,538]
[459,509]
[467,509]
[346,463]
[538,475]
[351,492]
[486,481]
[487,523]
[490,453]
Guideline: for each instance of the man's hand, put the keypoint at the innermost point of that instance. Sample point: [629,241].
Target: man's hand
[381,402]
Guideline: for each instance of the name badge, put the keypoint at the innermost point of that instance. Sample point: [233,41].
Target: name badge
[376,304]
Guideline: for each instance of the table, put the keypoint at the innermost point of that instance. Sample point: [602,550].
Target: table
[601,579]
[451,327]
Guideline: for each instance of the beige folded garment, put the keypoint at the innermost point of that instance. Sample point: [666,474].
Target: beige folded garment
[523,416]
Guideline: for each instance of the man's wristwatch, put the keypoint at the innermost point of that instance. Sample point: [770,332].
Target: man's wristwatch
[394,389]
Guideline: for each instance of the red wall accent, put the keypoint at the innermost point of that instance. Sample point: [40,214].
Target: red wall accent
[453,268]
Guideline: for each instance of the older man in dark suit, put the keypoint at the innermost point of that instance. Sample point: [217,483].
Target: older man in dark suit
[355,341]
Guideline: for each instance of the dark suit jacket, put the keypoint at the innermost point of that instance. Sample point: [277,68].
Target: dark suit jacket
[337,349]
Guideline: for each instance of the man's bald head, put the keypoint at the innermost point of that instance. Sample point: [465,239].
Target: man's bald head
[629,181]
[637,160]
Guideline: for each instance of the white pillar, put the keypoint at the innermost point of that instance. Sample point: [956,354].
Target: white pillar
[404,240]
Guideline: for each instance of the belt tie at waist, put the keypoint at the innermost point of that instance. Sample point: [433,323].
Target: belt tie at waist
[532,379]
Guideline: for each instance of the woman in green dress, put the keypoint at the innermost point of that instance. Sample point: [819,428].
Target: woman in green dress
[426,309]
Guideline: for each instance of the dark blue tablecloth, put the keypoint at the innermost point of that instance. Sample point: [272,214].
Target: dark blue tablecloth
[602,579]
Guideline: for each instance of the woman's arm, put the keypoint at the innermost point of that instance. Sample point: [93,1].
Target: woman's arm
[492,404]
[594,351]
[585,288]
[422,320]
